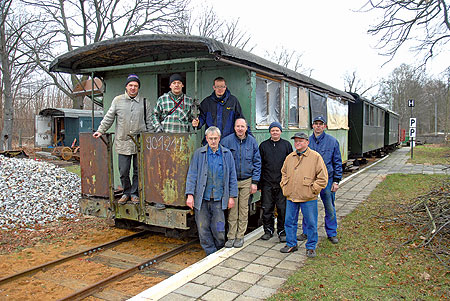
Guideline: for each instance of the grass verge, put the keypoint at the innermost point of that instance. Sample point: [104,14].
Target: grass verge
[431,154]
[370,261]
[74,168]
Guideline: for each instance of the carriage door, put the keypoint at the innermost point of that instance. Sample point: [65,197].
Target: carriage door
[43,131]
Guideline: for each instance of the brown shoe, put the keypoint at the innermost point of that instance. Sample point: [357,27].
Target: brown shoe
[123,200]
[135,200]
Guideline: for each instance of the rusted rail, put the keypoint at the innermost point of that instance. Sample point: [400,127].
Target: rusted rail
[47,265]
[81,294]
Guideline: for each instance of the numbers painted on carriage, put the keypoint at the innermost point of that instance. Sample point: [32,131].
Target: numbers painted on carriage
[164,143]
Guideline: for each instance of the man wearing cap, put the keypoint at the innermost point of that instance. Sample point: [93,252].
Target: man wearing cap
[248,169]
[128,111]
[303,175]
[220,109]
[328,147]
[173,110]
[273,152]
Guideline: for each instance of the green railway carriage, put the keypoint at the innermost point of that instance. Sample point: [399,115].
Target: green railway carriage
[267,92]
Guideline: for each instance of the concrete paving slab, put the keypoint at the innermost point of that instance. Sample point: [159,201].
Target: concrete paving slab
[271,282]
[209,280]
[267,261]
[247,277]
[234,263]
[176,297]
[235,286]
[258,291]
[217,294]
[222,271]
[257,269]
[192,290]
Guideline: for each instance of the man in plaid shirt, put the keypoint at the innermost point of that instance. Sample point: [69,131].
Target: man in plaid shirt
[173,110]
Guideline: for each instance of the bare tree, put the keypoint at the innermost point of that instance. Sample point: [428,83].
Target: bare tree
[288,58]
[206,23]
[73,23]
[15,63]
[354,84]
[424,23]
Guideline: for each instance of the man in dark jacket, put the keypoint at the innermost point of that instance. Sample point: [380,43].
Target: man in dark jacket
[248,170]
[328,147]
[220,109]
[273,151]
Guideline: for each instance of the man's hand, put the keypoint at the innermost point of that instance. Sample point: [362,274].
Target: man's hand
[195,122]
[190,201]
[334,187]
[97,135]
[253,188]
[230,203]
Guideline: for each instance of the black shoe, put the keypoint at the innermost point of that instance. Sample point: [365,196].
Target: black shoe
[287,249]
[238,243]
[333,239]
[302,237]
[267,236]
[282,237]
[311,253]
[229,243]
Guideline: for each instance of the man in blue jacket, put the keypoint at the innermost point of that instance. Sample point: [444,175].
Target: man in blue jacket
[220,109]
[248,169]
[328,147]
[211,187]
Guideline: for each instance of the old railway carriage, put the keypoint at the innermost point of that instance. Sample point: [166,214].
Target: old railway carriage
[267,92]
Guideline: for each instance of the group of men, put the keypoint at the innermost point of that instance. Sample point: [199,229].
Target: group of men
[230,167]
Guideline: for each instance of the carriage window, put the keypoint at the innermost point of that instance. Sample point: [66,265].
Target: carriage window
[366,115]
[382,118]
[371,115]
[303,108]
[267,101]
[293,105]
[375,119]
[163,82]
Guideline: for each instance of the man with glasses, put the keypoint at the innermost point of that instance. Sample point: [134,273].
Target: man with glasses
[220,109]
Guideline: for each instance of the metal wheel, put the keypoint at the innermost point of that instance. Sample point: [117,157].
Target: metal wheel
[66,153]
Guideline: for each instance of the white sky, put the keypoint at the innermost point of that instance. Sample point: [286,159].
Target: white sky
[330,34]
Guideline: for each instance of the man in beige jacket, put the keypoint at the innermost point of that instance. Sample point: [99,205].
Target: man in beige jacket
[128,109]
[303,176]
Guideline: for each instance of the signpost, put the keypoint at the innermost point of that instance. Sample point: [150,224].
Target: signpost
[412,126]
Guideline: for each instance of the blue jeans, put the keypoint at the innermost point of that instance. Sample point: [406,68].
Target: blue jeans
[210,220]
[328,198]
[310,213]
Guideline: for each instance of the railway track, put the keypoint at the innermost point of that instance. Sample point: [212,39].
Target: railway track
[109,266]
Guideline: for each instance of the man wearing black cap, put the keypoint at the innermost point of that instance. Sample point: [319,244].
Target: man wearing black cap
[128,110]
[303,175]
[273,151]
[328,147]
[173,110]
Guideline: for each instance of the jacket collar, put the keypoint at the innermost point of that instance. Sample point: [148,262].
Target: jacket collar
[204,148]
[136,98]
[306,153]
[318,138]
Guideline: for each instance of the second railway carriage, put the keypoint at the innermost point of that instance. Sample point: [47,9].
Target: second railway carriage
[267,92]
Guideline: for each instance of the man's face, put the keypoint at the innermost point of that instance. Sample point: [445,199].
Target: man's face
[213,140]
[240,127]
[275,133]
[132,89]
[318,127]
[176,87]
[301,144]
[219,87]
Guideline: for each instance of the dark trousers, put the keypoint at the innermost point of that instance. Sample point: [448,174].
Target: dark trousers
[269,198]
[210,220]
[124,171]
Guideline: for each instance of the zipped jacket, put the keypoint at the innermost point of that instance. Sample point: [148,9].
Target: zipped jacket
[198,175]
[328,147]
[246,156]
[304,176]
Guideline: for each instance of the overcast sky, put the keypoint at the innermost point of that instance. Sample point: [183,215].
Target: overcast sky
[330,34]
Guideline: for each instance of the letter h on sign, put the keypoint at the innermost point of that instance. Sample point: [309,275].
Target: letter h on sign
[410,103]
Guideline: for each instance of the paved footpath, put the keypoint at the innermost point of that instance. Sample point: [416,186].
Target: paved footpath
[257,270]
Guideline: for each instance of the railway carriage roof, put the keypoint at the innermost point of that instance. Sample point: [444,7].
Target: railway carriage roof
[129,49]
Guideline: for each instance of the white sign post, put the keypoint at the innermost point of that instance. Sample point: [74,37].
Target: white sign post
[412,132]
